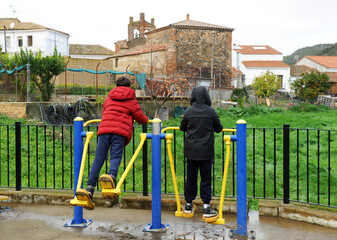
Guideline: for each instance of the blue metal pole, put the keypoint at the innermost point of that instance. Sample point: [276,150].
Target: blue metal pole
[78,220]
[156,176]
[241,178]
[156,225]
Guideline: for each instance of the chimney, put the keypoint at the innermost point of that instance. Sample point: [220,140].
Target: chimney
[187,17]
[142,16]
[131,19]
[152,21]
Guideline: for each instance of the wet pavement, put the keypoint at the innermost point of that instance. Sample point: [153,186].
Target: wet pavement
[41,222]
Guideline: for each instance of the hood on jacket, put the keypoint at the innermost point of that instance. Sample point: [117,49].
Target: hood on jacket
[200,96]
[122,93]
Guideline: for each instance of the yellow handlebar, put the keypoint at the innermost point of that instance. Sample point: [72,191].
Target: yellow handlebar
[99,120]
[89,135]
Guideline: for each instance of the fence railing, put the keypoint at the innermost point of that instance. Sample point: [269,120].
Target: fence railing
[291,164]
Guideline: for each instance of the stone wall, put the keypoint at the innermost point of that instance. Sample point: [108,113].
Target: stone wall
[142,62]
[13,110]
[195,49]
[191,50]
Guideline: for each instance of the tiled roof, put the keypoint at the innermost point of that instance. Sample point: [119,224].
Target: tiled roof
[255,49]
[16,24]
[86,49]
[195,24]
[142,49]
[235,72]
[265,64]
[326,61]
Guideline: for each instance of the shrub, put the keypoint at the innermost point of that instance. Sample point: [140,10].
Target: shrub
[310,85]
[239,95]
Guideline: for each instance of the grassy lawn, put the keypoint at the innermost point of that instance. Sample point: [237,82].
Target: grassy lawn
[47,154]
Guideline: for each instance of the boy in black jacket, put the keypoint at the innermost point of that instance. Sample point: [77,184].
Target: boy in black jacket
[200,121]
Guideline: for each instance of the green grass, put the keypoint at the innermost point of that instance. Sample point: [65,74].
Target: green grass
[267,163]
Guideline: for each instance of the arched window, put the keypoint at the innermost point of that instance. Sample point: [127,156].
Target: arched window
[136,33]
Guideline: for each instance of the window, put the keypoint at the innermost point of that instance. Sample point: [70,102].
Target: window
[20,43]
[136,33]
[281,83]
[8,42]
[116,62]
[30,41]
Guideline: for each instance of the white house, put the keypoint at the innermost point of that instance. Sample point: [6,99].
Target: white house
[253,60]
[323,64]
[320,63]
[15,35]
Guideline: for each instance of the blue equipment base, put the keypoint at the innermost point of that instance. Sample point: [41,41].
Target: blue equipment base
[72,223]
[149,228]
[240,232]
[4,209]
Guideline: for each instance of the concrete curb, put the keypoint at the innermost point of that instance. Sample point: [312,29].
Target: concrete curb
[323,216]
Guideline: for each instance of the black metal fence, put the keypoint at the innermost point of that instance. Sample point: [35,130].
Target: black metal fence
[282,163]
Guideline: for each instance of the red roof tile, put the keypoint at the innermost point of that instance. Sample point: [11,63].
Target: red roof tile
[326,61]
[255,49]
[265,64]
[142,49]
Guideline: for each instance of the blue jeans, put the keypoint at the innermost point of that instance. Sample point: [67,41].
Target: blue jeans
[105,141]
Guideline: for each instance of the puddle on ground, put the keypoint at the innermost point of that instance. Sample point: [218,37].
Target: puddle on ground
[46,222]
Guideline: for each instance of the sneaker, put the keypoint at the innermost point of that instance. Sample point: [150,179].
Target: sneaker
[209,212]
[114,181]
[91,190]
[188,207]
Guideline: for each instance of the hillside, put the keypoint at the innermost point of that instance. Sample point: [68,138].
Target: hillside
[316,50]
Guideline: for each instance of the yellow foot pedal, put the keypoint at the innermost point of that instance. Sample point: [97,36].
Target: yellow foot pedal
[107,185]
[83,199]
[210,219]
[188,214]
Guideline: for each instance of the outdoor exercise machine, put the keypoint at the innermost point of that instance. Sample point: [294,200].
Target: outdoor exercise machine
[157,226]
[241,178]
[81,199]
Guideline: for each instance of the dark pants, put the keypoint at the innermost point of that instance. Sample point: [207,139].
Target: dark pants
[191,185]
[105,141]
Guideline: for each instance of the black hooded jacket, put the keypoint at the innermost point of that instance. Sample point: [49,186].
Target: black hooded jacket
[200,121]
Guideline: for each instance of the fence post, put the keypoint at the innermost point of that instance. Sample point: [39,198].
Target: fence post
[78,220]
[241,182]
[18,155]
[145,168]
[286,141]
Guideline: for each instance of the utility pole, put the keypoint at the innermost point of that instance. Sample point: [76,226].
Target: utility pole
[5,38]
[28,82]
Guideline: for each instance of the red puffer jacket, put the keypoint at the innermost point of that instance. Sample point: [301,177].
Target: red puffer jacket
[119,111]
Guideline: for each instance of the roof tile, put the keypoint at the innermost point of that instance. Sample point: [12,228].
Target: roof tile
[265,64]
[256,49]
[18,25]
[326,61]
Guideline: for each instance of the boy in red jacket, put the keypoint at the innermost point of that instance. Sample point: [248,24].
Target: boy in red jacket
[120,109]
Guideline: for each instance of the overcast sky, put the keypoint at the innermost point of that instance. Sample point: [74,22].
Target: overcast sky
[285,25]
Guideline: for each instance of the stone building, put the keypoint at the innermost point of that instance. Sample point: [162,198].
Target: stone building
[200,51]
